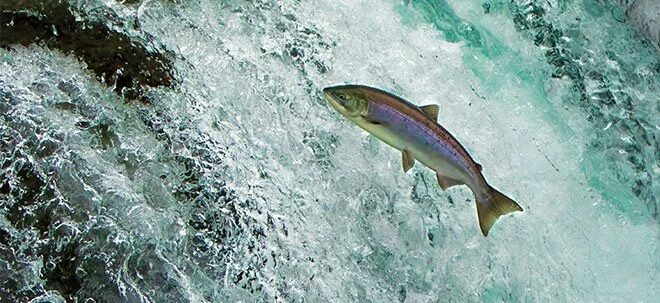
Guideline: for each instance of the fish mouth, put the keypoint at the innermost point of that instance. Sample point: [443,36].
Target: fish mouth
[331,98]
[326,93]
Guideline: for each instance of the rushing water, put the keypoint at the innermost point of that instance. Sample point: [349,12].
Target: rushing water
[240,184]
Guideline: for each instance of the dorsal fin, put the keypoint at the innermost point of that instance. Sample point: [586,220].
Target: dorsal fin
[431,110]
[479,166]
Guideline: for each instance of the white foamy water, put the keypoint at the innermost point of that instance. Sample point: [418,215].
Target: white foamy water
[242,185]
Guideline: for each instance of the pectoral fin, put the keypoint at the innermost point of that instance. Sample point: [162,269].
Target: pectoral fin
[431,111]
[447,182]
[408,160]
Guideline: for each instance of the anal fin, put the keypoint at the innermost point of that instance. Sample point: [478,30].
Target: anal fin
[408,160]
[447,182]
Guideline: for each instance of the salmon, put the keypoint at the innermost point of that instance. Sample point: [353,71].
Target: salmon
[416,133]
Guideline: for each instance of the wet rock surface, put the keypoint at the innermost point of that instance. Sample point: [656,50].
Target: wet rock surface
[75,184]
[57,241]
[67,187]
[110,44]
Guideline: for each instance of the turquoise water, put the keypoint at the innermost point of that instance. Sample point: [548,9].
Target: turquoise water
[242,185]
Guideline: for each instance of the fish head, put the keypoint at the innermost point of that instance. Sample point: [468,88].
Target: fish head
[350,101]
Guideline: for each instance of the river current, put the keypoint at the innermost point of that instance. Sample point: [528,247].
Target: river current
[236,182]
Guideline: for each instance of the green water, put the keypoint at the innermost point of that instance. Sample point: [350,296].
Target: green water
[589,57]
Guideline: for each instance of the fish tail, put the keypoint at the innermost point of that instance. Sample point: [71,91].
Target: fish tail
[495,205]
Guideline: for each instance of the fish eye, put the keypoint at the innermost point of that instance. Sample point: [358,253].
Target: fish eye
[342,96]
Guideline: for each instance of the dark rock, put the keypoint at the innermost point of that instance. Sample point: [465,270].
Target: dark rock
[120,58]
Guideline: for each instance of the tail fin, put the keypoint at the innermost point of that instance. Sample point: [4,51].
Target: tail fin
[497,205]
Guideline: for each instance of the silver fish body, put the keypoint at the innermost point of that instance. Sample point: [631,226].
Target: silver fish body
[414,131]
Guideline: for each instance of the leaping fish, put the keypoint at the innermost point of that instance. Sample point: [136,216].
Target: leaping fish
[414,131]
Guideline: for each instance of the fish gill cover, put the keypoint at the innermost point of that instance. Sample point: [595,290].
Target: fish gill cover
[218,173]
